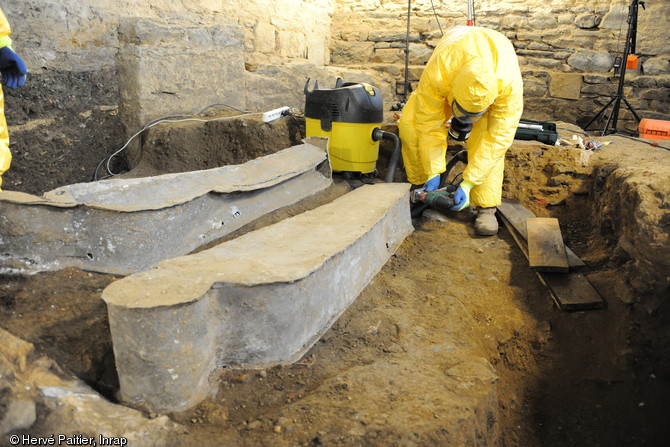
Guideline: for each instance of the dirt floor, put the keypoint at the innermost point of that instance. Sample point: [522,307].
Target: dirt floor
[564,378]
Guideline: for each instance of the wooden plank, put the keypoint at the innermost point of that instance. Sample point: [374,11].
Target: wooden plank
[517,214]
[520,240]
[570,291]
[546,251]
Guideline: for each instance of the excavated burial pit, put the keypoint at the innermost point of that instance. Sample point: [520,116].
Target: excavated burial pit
[59,234]
[604,188]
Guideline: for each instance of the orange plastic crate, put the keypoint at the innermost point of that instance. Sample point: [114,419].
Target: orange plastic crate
[654,129]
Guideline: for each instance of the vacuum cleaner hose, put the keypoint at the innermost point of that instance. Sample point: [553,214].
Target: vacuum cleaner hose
[377,135]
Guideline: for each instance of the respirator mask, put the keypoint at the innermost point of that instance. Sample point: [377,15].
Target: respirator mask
[462,121]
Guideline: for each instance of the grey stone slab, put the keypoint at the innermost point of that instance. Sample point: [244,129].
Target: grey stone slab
[258,300]
[123,226]
[155,54]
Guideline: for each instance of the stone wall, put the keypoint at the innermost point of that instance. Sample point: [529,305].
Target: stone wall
[95,80]
[566,49]
[101,69]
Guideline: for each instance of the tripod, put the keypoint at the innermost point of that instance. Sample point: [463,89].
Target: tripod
[615,102]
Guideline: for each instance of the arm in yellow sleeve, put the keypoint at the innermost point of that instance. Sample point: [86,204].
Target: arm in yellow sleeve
[431,117]
[498,135]
[5,31]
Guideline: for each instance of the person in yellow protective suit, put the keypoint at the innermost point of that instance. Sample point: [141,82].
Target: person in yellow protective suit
[473,79]
[13,75]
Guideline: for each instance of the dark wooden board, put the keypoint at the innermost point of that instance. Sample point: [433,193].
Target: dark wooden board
[570,291]
[546,251]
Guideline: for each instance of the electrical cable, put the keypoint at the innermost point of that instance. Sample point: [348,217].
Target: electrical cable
[292,114]
[226,105]
[182,120]
[166,119]
[641,140]
[406,87]
[436,18]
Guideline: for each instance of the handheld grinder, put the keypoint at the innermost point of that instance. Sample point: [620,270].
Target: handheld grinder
[440,199]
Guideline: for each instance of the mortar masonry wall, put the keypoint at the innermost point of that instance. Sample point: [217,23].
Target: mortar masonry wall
[566,49]
[551,38]
[560,44]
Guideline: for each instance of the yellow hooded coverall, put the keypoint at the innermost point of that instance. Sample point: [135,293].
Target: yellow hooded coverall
[479,68]
[5,155]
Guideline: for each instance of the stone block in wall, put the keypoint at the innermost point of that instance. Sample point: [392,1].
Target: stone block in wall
[317,51]
[644,81]
[415,72]
[656,66]
[419,54]
[652,30]
[595,79]
[608,89]
[534,87]
[538,46]
[656,94]
[291,44]
[282,85]
[570,41]
[565,85]
[352,35]
[393,37]
[535,53]
[489,22]
[543,19]
[388,56]
[177,67]
[591,61]
[512,21]
[538,108]
[351,53]
[265,39]
[616,16]
[587,21]
[566,19]
[391,69]
[562,55]
[547,63]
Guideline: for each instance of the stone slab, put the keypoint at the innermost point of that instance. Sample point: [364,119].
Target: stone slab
[67,405]
[262,299]
[153,55]
[122,226]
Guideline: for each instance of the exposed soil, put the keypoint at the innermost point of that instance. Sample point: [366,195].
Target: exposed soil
[565,379]
[61,124]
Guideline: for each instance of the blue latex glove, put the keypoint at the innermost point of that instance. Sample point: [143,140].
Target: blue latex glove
[462,196]
[12,67]
[432,184]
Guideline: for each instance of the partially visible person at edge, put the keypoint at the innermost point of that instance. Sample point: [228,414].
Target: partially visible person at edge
[13,75]
[472,78]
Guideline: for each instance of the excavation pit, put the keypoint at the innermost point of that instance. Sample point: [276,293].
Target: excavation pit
[453,340]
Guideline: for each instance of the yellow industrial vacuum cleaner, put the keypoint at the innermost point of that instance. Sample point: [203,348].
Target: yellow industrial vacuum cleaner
[350,115]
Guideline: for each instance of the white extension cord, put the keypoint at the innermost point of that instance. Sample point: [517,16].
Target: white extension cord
[274,114]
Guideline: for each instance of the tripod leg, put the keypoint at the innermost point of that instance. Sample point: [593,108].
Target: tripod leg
[631,109]
[599,113]
[614,117]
